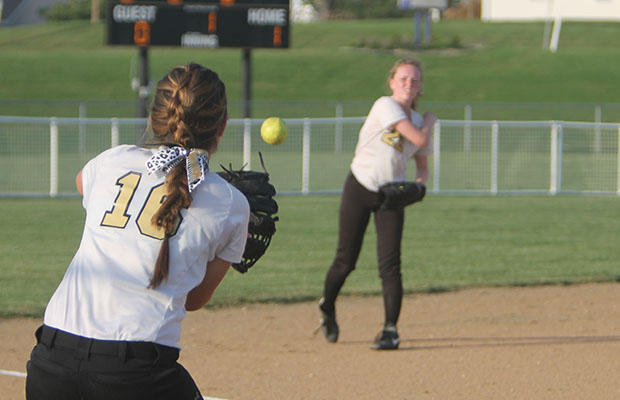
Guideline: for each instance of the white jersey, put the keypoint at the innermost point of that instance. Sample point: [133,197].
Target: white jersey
[382,154]
[104,293]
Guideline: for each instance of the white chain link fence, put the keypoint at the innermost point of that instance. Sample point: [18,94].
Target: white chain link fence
[41,156]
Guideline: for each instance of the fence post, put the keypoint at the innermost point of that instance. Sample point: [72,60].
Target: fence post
[494,156]
[597,129]
[436,156]
[53,157]
[338,135]
[82,129]
[247,143]
[114,133]
[556,158]
[560,154]
[467,130]
[305,168]
[618,168]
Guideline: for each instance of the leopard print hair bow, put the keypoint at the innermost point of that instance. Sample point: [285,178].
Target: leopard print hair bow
[196,163]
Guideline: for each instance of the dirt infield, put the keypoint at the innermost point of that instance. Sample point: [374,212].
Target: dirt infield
[490,343]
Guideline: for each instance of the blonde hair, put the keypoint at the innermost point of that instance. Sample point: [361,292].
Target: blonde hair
[414,63]
[189,109]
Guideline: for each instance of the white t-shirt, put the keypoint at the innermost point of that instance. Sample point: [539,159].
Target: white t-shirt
[382,154]
[104,293]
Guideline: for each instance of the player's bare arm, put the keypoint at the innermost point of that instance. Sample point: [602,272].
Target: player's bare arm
[419,137]
[78,182]
[421,163]
[201,294]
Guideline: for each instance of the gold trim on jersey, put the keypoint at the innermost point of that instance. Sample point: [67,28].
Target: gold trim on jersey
[393,138]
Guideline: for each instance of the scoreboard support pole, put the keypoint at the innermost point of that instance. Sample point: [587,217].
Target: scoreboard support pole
[143,90]
[246,77]
[143,67]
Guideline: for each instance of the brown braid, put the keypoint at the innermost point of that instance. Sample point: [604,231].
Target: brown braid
[188,110]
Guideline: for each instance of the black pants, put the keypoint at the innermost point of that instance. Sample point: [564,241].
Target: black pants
[356,206]
[63,366]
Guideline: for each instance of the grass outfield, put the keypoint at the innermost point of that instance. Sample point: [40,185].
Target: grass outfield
[466,61]
[450,242]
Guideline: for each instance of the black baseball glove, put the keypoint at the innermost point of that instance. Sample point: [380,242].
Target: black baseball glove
[259,192]
[396,195]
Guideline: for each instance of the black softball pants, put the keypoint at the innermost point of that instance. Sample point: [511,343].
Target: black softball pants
[356,206]
[63,366]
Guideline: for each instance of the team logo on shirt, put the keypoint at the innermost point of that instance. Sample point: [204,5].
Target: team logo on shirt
[393,139]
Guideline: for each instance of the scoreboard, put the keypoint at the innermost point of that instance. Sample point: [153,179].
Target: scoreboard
[199,23]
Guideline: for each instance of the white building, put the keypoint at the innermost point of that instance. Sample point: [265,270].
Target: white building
[537,10]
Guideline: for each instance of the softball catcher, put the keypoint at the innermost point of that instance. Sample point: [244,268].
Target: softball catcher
[161,231]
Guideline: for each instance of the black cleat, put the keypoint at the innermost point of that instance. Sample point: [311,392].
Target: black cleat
[329,327]
[387,339]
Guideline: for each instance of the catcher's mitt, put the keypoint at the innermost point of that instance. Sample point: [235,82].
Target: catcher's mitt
[259,192]
[396,195]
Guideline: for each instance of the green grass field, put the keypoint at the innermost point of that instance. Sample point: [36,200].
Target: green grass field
[450,242]
[466,61]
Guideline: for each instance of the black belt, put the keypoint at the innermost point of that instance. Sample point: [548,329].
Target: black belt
[52,337]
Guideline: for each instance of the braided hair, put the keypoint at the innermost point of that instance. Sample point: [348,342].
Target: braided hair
[189,109]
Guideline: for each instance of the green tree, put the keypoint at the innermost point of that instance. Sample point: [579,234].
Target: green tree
[75,9]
